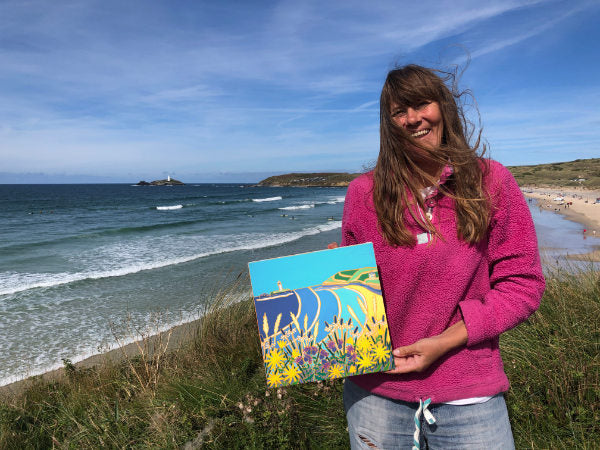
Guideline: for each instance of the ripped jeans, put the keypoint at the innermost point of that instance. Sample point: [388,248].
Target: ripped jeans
[384,423]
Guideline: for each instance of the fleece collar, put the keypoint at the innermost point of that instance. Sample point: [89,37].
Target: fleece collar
[432,191]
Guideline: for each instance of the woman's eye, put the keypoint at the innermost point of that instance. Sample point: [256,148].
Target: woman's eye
[398,113]
[423,104]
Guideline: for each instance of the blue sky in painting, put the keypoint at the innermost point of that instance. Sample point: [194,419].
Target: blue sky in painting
[307,269]
[118,91]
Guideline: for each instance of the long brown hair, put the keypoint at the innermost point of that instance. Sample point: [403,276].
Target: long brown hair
[398,176]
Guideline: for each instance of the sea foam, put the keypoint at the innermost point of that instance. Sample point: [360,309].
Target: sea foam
[286,208]
[12,282]
[267,199]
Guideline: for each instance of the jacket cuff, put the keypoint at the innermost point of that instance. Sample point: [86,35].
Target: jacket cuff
[475,321]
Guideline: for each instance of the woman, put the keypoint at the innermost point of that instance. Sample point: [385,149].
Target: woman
[459,265]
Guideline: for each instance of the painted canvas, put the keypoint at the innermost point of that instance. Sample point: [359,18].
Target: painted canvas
[321,315]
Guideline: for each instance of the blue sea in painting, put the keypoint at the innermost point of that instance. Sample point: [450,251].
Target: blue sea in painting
[79,261]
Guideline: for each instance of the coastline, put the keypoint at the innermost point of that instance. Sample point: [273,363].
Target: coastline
[587,214]
[178,337]
[581,209]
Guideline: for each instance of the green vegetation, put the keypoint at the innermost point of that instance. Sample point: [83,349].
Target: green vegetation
[581,172]
[212,393]
[367,275]
[310,179]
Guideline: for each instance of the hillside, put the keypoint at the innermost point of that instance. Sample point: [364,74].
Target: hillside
[310,179]
[581,172]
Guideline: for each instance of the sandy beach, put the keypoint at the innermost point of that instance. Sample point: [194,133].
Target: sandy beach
[576,204]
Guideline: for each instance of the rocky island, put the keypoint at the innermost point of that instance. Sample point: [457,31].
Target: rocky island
[327,179]
[167,182]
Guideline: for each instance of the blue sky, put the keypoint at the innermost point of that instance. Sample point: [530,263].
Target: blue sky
[238,90]
[308,269]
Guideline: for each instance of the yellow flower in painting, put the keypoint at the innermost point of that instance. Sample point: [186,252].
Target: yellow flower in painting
[336,371]
[364,361]
[381,352]
[274,379]
[364,344]
[295,353]
[274,359]
[291,374]
[282,344]
[352,369]
[381,331]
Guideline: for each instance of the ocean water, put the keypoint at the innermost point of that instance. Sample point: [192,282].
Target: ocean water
[83,265]
[559,237]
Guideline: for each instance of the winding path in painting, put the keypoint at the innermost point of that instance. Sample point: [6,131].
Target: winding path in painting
[321,303]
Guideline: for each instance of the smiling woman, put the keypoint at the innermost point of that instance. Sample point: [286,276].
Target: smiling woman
[459,265]
[422,128]
[422,121]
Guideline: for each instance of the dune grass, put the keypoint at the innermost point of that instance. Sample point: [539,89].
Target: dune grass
[212,392]
[553,363]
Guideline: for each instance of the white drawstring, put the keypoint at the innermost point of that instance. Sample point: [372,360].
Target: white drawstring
[423,408]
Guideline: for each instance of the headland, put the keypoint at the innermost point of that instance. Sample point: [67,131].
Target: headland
[324,179]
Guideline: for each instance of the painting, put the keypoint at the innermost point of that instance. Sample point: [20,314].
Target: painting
[321,315]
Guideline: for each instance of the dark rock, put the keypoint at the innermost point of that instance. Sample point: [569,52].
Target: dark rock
[167,182]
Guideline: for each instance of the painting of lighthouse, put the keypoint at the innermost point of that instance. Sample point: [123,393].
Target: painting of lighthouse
[321,315]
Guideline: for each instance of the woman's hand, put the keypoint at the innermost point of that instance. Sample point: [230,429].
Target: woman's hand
[419,356]
[332,245]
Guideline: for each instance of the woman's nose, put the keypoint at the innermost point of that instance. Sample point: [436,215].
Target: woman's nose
[412,116]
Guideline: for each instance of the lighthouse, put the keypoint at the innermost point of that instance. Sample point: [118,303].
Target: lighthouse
[168,177]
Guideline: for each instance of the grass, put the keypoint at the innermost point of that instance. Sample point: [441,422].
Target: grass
[584,173]
[310,179]
[553,363]
[579,173]
[212,393]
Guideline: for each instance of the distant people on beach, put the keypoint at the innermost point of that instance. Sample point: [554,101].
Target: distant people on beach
[459,264]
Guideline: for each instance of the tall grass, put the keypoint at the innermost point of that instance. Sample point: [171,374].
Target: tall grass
[212,393]
[553,363]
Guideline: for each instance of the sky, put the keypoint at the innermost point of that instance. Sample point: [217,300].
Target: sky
[235,91]
[307,269]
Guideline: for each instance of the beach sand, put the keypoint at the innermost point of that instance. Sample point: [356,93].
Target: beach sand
[582,209]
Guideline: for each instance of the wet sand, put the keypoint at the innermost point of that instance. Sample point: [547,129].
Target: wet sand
[582,208]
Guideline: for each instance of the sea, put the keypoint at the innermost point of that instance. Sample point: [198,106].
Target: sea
[85,268]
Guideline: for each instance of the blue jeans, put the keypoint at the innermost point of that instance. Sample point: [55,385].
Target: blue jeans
[383,423]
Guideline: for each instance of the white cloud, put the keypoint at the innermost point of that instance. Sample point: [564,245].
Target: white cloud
[87,83]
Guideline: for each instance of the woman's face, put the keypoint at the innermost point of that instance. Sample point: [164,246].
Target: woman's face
[423,121]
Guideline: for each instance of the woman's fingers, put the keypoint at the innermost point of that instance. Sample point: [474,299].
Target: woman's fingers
[332,245]
[416,357]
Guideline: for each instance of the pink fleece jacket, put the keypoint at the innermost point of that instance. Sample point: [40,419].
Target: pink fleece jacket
[493,286]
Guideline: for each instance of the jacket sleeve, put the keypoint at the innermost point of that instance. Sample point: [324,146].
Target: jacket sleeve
[349,216]
[516,279]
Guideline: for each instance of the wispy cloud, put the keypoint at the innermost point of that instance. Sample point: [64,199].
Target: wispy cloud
[85,84]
